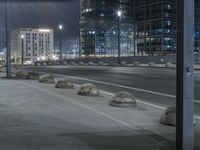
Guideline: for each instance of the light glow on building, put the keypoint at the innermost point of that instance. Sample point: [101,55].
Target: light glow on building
[44,30]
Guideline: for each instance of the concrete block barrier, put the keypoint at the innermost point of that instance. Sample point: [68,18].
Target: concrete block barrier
[21,74]
[123,63]
[169,65]
[1,68]
[101,63]
[46,78]
[168,117]
[112,64]
[82,63]
[90,63]
[88,89]
[65,63]
[73,63]
[151,64]
[33,75]
[136,64]
[64,84]
[123,99]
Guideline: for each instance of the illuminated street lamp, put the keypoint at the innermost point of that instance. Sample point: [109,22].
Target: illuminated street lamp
[60,27]
[22,38]
[119,14]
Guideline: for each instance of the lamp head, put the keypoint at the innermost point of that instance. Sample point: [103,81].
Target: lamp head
[60,27]
[119,13]
[22,36]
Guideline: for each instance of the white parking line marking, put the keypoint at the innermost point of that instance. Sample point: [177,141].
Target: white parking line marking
[109,93]
[117,85]
[123,86]
[149,104]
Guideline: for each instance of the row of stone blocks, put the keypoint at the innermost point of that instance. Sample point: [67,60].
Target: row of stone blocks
[120,99]
[123,63]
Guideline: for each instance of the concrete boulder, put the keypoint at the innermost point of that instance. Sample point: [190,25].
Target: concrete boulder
[2,69]
[112,64]
[123,63]
[152,64]
[64,84]
[65,63]
[33,75]
[168,117]
[123,99]
[81,63]
[90,63]
[46,78]
[22,74]
[100,63]
[88,89]
[136,64]
[57,63]
[73,63]
[53,63]
[169,65]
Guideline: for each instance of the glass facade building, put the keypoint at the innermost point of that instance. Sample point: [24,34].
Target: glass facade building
[148,27]
[99,28]
[197,26]
[155,26]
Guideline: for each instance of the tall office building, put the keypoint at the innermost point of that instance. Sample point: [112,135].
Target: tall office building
[197,26]
[148,27]
[155,26]
[99,26]
[32,45]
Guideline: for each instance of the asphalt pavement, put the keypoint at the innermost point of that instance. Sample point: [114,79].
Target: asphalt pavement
[37,116]
[155,85]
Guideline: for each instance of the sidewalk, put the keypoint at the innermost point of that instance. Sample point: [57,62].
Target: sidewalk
[37,116]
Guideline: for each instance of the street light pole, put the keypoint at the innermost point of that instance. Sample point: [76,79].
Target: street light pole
[8,53]
[119,13]
[60,41]
[22,37]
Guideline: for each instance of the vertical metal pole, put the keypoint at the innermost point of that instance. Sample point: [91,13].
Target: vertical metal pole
[80,44]
[119,40]
[134,39]
[95,44]
[8,59]
[185,79]
[22,51]
[60,47]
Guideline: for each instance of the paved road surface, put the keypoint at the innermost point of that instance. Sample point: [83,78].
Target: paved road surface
[37,116]
[145,83]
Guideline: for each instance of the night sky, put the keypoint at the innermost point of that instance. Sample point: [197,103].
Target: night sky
[41,14]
